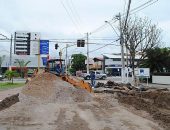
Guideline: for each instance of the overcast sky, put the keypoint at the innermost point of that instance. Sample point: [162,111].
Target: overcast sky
[71,19]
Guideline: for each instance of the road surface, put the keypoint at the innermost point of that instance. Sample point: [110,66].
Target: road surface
[70,110]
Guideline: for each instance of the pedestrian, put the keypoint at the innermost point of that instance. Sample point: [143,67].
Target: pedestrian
[92,77]
[58,69]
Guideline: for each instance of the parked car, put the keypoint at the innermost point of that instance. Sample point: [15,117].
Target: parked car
[1,77]
[98,75]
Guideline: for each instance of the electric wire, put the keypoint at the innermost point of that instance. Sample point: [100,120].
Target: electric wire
[132,11]
[70,16]
[76,12]
[72,11]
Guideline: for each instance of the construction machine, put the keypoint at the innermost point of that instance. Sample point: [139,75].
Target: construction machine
[57,67]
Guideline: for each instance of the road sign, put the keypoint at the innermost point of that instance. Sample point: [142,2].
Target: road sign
[44,46]
[44,59]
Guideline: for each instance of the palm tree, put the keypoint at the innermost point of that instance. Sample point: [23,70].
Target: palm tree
[11,74]
[22,64]
[1,60]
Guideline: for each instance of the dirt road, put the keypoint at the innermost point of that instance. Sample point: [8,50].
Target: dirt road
[72,109]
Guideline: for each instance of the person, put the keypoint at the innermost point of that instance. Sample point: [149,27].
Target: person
[58,69]
[92,77]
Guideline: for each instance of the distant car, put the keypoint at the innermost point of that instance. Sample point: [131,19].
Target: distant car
[98,75]
[1,77]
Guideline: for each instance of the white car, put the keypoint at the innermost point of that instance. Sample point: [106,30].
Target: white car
[1,77]
[98,75]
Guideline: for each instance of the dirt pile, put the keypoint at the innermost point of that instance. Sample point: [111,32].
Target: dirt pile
[9,101]
[40,86]
[50,87]
[155,101]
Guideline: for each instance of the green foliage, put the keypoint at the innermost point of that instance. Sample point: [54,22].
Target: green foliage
[158,60]
[4,86]
[22,64]
[11,74]
[78,62]
[72,70]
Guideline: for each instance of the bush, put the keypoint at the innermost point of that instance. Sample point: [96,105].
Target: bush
[162,73]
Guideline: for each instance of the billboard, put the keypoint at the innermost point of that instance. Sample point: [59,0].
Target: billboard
[44,47]
[142,72]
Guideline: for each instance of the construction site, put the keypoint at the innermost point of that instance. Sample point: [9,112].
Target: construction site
[84,65]
[48,102]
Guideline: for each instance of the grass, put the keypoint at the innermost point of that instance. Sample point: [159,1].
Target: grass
[8,85]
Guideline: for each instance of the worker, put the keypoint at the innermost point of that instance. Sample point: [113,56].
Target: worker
[92,77]
[58,69]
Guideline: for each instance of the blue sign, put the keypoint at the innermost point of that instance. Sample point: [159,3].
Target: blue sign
[44,46]
[44,59]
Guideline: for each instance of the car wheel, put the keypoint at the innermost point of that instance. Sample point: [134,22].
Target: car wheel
[87,77]
[103,77]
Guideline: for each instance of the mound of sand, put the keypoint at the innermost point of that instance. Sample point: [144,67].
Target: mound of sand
[49,86]
[41,86]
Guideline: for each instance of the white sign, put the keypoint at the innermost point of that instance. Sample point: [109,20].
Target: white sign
[34,48]
[142,72]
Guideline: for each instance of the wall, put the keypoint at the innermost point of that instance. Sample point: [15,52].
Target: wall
[161,79]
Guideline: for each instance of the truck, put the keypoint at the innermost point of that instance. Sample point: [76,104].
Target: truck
[98,75]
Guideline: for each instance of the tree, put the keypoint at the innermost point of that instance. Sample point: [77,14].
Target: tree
[22,64]
[140,35]
[1,61]
[158,60]
[78,62]
[11,74]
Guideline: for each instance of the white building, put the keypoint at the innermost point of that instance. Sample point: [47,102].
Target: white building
[26,43]
[112,63]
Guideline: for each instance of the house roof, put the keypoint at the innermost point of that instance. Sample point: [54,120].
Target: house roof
[114,56]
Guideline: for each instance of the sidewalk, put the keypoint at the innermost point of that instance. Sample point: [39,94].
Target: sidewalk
[16,80]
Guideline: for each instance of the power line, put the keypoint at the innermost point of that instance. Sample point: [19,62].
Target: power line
[139,8]
[72,11]
[104,46]
[143,7]
[70,16]
[76,12]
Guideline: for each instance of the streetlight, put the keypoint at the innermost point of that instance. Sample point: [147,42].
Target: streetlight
[112,27]
[118,17]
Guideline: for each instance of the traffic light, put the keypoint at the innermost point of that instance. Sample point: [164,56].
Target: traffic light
[80,43]
[56,46]
[60,53]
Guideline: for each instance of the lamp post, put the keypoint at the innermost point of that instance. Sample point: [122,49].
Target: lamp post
[66,56]
[122,46]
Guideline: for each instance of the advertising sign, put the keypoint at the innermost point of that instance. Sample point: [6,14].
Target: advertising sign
[44,46]
[142,72]
[34,47]
[44,59]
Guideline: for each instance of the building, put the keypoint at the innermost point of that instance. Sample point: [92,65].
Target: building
[112,64]
[26,43]
[32,65]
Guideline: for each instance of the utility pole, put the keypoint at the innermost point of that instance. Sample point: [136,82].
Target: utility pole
[87,53]
[122,50]
[10,59]
[66,58]
[124,30]
[39,56]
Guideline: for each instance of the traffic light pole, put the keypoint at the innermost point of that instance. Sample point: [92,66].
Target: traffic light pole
[10,59]
[66,58]
[87,53]
[39,56]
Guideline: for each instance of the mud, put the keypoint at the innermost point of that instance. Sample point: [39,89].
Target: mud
[154,101]
[9,101]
